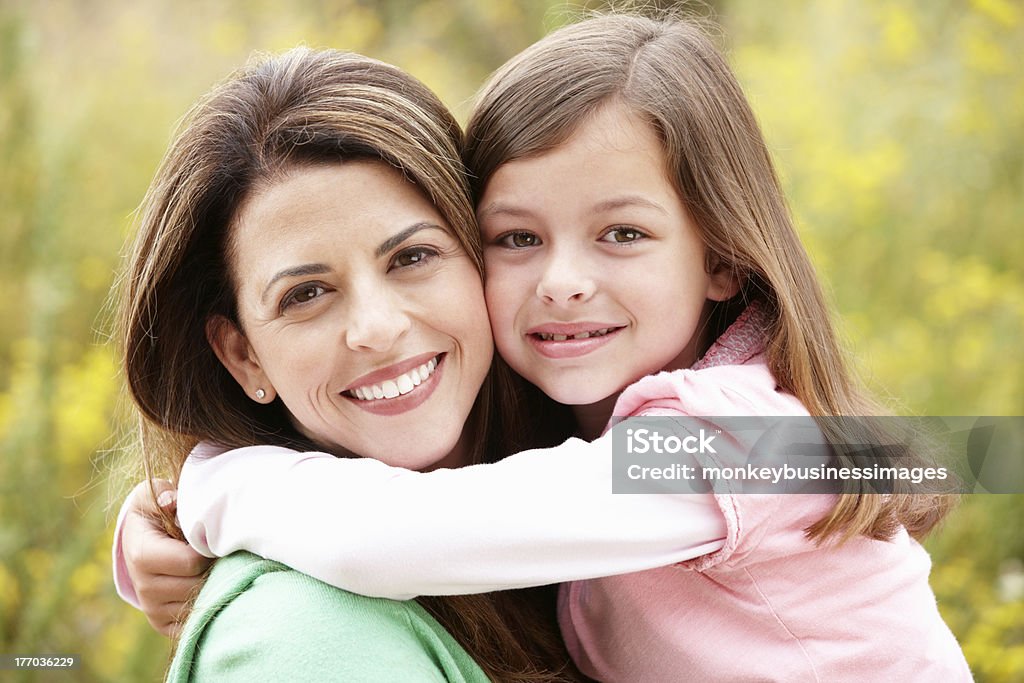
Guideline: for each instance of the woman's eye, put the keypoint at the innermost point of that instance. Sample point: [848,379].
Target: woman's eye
[413,256]
[519,240]
[301,295]
[623,235]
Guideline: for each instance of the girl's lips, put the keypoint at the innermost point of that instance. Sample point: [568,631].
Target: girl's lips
[403,402]
[551,344]
[572,329]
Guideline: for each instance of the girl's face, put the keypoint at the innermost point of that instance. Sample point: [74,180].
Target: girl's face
[595,272]
[361,310]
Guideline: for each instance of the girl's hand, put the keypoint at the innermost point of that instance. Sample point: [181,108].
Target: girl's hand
[165,571]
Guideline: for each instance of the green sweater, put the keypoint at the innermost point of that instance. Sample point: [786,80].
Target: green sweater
[259,620]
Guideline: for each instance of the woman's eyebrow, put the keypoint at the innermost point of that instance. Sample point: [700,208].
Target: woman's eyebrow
[399,237]
[321,268]
[305,269]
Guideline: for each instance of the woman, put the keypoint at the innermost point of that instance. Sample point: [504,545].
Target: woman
[310,238]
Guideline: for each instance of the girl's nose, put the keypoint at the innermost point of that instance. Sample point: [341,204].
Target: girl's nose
[566,280]
[377,318]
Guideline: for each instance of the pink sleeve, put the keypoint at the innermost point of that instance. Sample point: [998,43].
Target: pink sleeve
[122,581]
[761,528]
[768,525]
[536,517]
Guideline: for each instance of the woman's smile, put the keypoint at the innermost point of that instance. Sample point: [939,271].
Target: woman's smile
[394,380]
[399,392]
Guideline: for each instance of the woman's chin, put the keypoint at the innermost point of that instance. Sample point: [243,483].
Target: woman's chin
[422,461]
[412,452]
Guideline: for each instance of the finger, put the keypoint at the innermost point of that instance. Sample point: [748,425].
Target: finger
[168,501]
[166,497]
[168,622]
[146,492]
[149,550]
[168,612]
[157,591]
[161,485]
[166,556]
[174,629]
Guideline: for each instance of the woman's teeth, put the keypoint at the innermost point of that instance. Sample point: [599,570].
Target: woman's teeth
[582,335]
[396,386]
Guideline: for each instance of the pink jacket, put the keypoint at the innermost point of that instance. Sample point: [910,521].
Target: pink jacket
[769,605]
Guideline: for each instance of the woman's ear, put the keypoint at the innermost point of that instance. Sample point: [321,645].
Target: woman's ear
[235,353]
[724,282]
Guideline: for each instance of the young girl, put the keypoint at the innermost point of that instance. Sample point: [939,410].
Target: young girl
[633,225]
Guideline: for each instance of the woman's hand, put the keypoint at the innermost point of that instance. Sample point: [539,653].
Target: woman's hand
[165,571]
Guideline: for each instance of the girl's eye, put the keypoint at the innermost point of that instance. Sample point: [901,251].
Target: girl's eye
[302,294]
[413,256]
[623,235]
[519,240]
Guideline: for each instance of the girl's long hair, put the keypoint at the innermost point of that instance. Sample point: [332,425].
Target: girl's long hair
[667,71]
[299,108]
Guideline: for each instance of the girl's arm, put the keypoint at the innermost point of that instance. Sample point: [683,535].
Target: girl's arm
[537,517]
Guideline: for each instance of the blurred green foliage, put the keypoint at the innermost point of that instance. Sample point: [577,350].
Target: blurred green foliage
[898,129]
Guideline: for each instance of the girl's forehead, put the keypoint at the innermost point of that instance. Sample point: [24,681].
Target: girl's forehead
[615,152]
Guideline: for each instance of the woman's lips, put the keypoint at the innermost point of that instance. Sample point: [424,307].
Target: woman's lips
[398,393]
[571,340]
[391,371]
[396,385]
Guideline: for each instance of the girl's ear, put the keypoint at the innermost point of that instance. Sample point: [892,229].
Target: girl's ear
[724,282]
[235,353]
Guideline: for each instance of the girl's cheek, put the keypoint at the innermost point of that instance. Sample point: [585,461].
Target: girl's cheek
[498,292]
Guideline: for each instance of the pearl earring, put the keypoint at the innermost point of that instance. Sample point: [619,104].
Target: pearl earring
[260,394]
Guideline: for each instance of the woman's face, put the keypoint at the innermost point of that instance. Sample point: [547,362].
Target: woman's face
[360,310]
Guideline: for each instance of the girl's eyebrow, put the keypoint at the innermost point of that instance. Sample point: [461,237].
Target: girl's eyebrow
[626,201]
[498,208]
[503,209]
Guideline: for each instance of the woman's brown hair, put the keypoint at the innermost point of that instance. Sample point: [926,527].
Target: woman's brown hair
[299,108]
[667,71]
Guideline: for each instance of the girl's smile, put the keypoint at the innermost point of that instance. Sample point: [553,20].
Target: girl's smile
[556,340]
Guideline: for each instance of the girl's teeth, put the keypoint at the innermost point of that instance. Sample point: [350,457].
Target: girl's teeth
[397,386]
[545,336]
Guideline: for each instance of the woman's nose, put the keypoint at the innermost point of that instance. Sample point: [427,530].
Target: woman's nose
[566,279]
[377,318]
